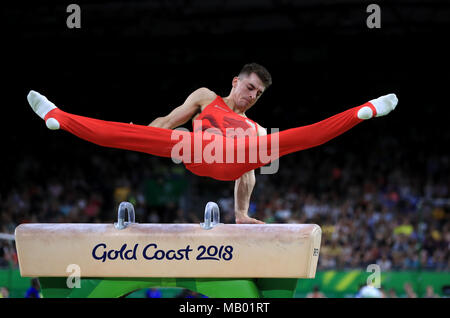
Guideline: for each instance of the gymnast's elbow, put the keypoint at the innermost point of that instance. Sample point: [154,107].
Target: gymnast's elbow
[161,122]
[247,179]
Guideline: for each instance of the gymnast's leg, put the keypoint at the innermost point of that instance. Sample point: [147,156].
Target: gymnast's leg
[305,137]
[151,140]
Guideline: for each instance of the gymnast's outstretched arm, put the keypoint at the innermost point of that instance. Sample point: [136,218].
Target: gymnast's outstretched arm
[243,188]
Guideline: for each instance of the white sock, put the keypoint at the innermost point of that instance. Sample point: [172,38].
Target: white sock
[383,105]
[41,106]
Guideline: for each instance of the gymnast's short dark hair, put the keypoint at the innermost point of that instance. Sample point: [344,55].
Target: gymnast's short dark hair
[260,71]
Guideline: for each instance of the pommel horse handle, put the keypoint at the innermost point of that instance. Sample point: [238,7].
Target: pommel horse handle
[211,206]
[124,206]
[211,209]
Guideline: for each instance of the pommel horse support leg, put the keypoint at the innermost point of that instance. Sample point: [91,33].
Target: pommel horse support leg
[214,259]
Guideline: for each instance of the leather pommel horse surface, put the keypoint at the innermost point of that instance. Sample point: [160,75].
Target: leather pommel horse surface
[169,250]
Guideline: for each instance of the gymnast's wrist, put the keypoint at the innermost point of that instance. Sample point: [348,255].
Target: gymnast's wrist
[241,213]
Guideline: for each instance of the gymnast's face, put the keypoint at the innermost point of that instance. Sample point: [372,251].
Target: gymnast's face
[246,91]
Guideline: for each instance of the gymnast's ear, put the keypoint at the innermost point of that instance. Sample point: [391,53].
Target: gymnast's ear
[235,81]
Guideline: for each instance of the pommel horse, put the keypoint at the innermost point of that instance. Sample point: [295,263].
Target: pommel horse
[213,259]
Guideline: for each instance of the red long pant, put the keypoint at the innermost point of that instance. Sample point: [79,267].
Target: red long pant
[160,142]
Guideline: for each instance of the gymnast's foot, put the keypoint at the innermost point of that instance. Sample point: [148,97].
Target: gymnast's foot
[383,105]
[41,106]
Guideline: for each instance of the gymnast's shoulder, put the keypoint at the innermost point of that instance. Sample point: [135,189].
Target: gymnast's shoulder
[204,93]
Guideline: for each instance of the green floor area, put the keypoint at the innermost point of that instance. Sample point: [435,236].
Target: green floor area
[337,284]
[109,287]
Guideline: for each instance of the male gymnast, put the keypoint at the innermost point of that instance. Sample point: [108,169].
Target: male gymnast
[218,116]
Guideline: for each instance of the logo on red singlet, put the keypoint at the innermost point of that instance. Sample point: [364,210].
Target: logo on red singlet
[222,108]
[240,145]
